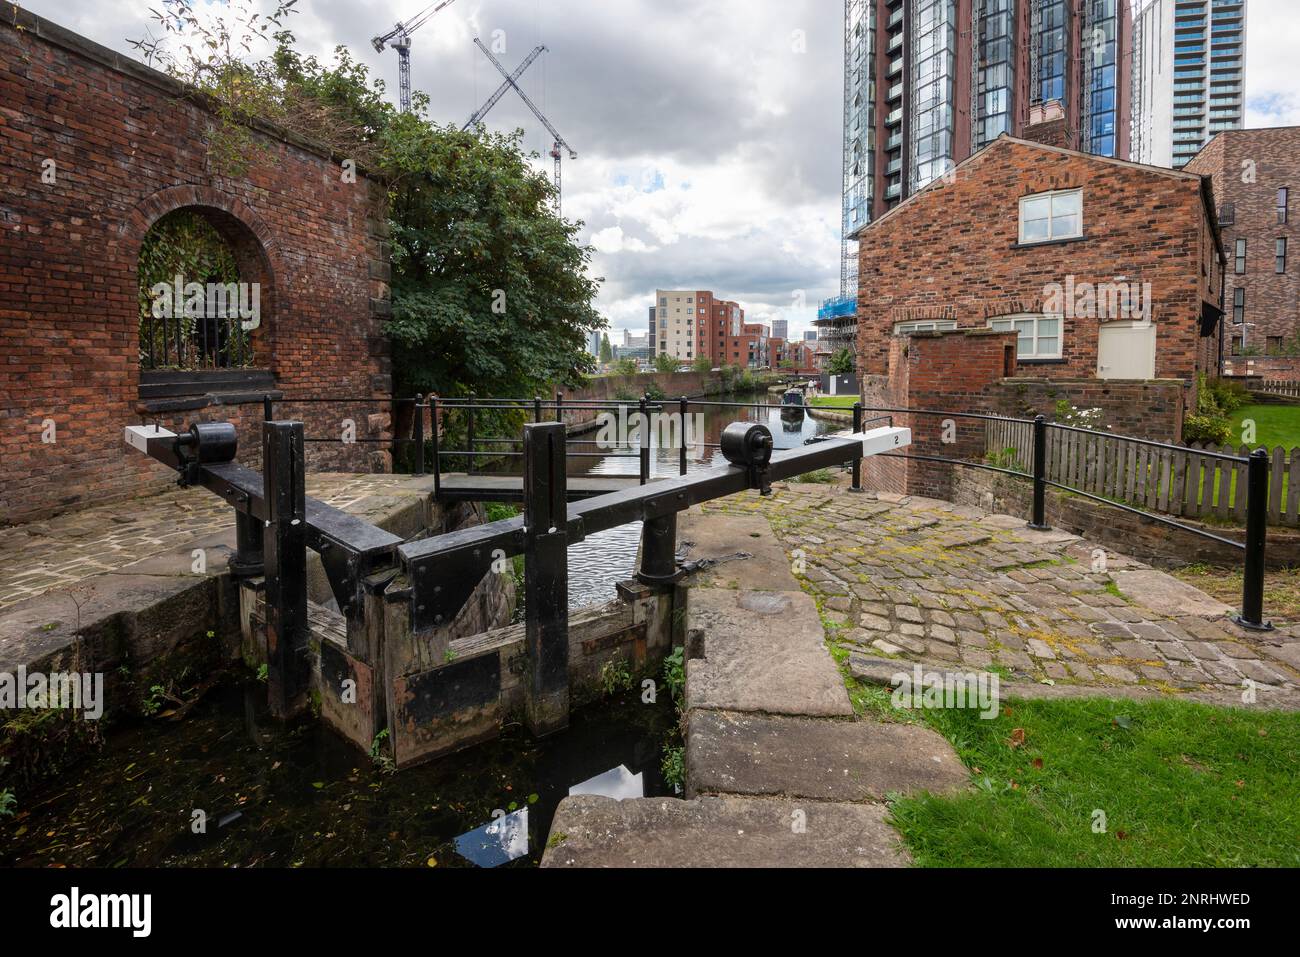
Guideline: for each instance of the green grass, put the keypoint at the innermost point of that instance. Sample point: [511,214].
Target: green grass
[1275,425]
[834,401]
[1180,784]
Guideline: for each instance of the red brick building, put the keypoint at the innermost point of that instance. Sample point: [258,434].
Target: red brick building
[96,149]
[1100,267]
[1255,175]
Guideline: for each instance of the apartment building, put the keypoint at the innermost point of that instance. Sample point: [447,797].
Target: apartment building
[1189,63]
[1255,175]
[689,323]
[928,83]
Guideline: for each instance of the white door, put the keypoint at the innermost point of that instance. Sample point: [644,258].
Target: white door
[1126,350]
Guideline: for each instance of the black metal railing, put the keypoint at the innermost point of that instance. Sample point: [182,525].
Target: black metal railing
[212,341]
[1257,464]
[430,456]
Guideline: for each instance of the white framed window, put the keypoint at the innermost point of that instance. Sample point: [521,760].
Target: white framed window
[928,325]
[1045,217]
[1037,337]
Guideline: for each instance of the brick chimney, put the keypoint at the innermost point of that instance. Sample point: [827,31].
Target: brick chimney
[1047,125]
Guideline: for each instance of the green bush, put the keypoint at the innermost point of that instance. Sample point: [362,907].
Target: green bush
[1207,428]
[1219,397]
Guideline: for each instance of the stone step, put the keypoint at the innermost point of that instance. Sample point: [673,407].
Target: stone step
[792,757]
[591,831]
[762,651]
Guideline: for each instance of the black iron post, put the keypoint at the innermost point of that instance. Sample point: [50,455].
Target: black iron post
[469,433]
[268,413]
[437,446]
[685,418]
[1252,598]
[287,631]
[643,440]
[559,408]
[537,408]
[659,551]
[248,560]
[1039,520]
[419,433]
[857,460]
[546,577]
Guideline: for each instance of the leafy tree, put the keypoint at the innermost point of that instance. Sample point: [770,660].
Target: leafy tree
[666,363]
[843,362]
[702,364]
[626,366]
[606,350]
[490,290]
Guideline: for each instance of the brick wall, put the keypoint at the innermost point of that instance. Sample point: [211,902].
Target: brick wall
[127,149]
[937,375]
[1144,410]
[1247,168]
[952,252]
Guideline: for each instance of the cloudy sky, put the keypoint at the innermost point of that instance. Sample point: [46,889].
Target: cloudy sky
[708,131]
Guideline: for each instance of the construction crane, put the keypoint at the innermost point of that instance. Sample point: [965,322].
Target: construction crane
[482,111]
[399,38]
[557,151]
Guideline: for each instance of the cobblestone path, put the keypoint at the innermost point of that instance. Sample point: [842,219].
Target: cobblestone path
[39,556]
[927,581]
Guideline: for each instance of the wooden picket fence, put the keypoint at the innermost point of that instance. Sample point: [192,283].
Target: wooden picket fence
[1184,482]
[1278,387]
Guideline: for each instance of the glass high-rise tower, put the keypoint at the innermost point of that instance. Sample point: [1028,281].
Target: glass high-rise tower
[1188,68]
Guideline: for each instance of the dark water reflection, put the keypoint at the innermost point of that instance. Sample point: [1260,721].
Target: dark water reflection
[604,558]
[299,796]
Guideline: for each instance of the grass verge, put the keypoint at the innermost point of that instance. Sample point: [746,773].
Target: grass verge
[1106,783]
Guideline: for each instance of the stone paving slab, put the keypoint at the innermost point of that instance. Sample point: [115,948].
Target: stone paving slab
[767,568]
[762,755]
[593,831]
[761,651]
[1166,595]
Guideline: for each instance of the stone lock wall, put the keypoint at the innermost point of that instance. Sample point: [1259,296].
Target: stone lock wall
[97,148]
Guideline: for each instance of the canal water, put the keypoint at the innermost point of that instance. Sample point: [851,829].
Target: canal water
[298,796]
[605,557]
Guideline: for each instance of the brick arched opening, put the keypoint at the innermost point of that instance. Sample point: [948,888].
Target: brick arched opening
[250,242]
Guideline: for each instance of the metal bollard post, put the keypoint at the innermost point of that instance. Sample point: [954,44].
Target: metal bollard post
[469,434]
[546,577]
[285,548]
[537,408]
[248,560]
[268,411]
[659,551]
[1252,597]
[1039,520]
[419,434]
[685,417]
[643,439]
[437,445]
[857,459]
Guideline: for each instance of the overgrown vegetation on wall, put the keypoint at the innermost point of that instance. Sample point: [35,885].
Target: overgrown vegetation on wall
[490,291]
